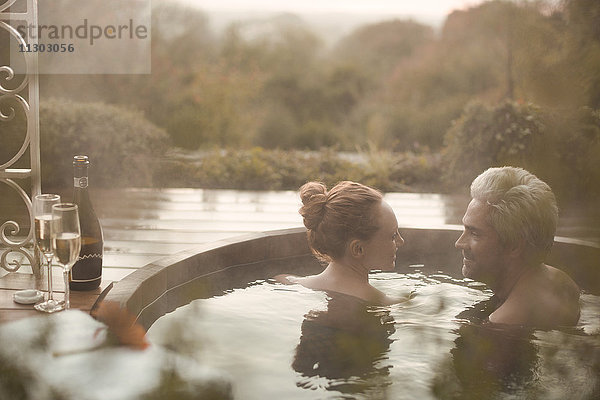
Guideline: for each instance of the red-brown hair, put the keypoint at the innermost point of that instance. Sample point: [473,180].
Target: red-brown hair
[335,217]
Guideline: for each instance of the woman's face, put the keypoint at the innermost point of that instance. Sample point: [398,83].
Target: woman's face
[380,250]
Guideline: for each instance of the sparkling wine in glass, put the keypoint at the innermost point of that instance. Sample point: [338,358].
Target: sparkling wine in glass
[43,221]
[66,240]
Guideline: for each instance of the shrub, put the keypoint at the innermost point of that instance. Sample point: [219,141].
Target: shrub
[392,172]
[484,136]
[574,154]
[237,169]
[122,146]
[562,147]
[418,171]
[261,169]
[258,168]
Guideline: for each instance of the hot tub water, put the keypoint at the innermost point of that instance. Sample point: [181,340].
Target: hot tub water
[290,342]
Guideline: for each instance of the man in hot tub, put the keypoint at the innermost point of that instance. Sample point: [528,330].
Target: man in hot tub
[509,230]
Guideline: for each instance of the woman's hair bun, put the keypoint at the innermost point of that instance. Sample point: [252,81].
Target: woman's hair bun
[309,190]
[314,198]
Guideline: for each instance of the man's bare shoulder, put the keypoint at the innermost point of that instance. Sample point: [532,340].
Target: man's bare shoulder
[563,286]
[547,298]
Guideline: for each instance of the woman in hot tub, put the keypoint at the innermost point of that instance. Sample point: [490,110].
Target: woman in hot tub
[355,231]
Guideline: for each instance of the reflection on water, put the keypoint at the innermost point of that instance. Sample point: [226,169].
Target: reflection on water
[506,362]
[290,342]
[345,340]
[489,359]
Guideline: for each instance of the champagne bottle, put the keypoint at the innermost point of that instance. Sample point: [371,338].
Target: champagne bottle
[87,271]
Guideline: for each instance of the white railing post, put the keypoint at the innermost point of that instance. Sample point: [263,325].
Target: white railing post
[19,96]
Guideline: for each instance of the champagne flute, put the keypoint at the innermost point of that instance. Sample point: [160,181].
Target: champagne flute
[66,240]
[43,218]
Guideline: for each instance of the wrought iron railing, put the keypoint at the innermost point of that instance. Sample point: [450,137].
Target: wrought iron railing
[16,246]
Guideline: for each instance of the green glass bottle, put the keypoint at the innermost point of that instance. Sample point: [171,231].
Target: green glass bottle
[87,271]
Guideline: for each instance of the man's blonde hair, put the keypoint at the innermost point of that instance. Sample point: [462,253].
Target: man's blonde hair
[523,206]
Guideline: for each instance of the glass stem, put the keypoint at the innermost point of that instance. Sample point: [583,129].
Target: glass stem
[67,289]
[50,292]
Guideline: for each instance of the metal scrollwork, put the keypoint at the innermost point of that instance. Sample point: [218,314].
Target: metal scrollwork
[7,71]
[9,235]
[20,90]
[11,226]
[14,264]
[5,118]
[6,6]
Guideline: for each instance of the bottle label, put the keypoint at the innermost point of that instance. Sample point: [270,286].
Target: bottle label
[80,182]
[86,274]
[87,256]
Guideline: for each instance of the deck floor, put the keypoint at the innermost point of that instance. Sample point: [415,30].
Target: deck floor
[143,225]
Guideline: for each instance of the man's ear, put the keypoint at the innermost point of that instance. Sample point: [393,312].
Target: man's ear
[356,248]
[518,249]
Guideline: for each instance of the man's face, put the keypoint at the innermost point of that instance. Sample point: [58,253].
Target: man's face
[484,257]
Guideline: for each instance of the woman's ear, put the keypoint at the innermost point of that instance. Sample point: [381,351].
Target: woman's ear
[356,248]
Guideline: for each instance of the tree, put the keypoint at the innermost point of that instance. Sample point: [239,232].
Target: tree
[378,48]
[583,22]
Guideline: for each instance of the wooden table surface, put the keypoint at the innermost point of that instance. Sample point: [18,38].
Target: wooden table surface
[15,281]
